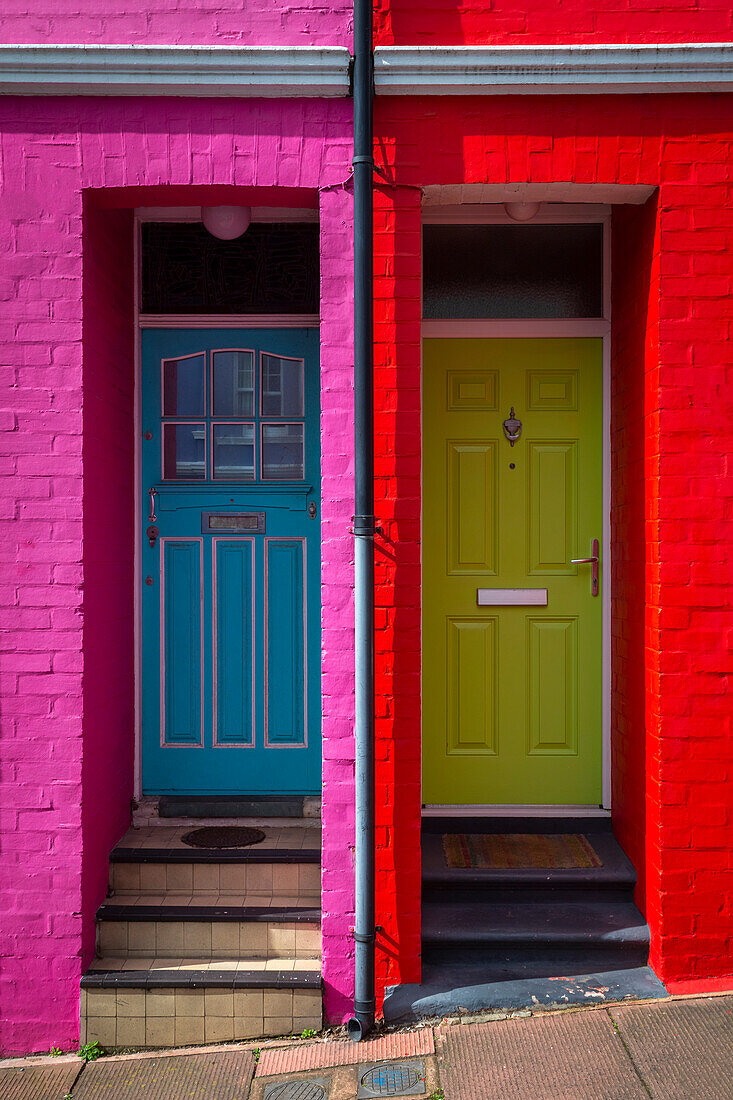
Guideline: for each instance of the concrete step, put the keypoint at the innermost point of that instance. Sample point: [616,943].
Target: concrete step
[485,929]
[192,1001]
[179,925]
[613,881]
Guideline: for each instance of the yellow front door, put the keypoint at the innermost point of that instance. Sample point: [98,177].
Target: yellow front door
[511,627]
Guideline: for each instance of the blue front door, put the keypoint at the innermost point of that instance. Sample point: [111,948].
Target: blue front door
[230,561]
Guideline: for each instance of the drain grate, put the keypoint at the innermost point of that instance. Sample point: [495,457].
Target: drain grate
[391,1079]
[297,1090]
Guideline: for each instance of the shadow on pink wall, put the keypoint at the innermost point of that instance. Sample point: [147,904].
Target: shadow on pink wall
[108,549]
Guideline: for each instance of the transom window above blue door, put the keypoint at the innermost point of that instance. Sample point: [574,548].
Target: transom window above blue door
[233,415]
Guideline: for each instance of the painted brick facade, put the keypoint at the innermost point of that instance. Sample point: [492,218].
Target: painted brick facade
[172,22]
[672,766]
[67,406]
[517,23]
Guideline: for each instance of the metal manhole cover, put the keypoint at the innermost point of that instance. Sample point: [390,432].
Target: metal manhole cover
[297,1090]
[391,1079]
[223,836]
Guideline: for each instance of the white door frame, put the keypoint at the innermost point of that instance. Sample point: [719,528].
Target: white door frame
[142,321]
[542,329]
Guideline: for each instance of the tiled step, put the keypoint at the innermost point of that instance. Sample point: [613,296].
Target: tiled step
[179,925]
[190,1001]
[286,872]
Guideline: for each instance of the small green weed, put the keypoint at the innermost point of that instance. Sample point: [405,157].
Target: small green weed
[437,1095]
[90,1051]
[55,1052]
[256,1053]
[307,1033]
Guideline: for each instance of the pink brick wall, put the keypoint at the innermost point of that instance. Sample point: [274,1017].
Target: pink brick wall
[179,22]
[59,381]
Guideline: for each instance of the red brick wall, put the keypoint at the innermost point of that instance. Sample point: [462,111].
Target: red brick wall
[672,759]
[634,382]
[397,469]
[525,22]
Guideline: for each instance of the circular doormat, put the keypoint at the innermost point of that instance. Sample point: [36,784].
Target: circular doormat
[223,836]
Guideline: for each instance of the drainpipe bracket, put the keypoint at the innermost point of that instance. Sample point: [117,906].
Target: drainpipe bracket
[365,525]
[365,937]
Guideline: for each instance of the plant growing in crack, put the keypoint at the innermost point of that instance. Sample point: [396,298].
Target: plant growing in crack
[90,1051]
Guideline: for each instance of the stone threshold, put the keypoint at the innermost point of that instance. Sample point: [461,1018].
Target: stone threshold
[201,979]
[215,855]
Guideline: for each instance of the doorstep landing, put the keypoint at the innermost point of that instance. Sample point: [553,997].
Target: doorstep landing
[450,988]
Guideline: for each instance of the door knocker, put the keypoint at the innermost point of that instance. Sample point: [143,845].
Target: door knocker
[512,428]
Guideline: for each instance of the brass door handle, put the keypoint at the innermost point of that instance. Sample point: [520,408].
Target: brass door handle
[593,560]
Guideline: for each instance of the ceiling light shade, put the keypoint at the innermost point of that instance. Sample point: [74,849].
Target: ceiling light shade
[521,211]
[226,222]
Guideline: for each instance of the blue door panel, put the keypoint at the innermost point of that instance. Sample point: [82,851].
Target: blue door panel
[286,642]
[182,653]
[231,582]
[234,655]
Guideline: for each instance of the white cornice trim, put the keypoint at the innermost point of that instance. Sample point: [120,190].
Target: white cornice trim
[174,70]
[501,70]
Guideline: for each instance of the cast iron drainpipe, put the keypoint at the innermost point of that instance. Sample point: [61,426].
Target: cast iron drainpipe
[362,1021]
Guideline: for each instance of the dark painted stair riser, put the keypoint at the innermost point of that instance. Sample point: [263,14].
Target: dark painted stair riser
[485,930]
[214,806]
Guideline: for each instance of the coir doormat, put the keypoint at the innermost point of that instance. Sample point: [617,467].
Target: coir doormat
[519,850]
[223,836]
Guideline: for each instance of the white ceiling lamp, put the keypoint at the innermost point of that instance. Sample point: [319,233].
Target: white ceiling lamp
[521,211]
[226,222]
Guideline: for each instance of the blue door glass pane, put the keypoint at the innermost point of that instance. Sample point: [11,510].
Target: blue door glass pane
[282,452]
[234,452]
[282,386]
[183,386]
[234,380]
[184,452]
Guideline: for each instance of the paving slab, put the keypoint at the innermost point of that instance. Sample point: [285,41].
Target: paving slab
[572,1055]
[38,1082]
[308,1056]
[682,1049]
[223,1075]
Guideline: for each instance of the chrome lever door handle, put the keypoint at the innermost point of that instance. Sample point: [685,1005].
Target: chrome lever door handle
[152,493]
[593,561]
